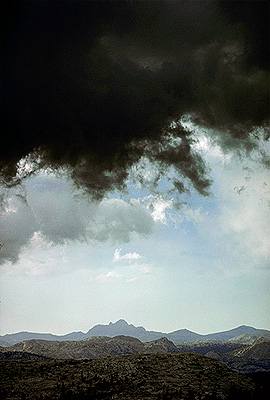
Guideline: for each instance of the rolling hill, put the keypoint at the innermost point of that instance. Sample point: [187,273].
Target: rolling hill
[243,358]
[93,347]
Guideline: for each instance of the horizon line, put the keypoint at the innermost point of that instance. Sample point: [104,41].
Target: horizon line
[136,326]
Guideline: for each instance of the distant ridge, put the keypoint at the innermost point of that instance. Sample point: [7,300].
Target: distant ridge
[92,347]
[243,358]
[121,327]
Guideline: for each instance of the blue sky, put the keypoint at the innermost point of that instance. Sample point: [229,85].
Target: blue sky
[152,257]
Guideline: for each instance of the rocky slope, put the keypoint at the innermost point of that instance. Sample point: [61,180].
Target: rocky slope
[248,358]
[92,347]
[243,358]
[153,376]
[206,347]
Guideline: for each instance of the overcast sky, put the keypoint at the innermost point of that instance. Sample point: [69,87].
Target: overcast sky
[134,165]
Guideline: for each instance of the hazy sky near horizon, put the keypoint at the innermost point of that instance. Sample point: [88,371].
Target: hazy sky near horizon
[135,167]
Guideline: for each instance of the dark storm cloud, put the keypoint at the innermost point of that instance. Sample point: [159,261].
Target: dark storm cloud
[82,81]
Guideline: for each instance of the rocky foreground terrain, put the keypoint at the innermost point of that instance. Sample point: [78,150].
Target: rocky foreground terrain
[141,376]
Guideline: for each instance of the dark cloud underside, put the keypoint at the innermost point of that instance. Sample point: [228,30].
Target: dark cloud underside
[82,81]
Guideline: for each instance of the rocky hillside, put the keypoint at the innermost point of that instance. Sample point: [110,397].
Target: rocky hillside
[260,349]
[243,358]
[92,347]
[249,358]
[154,376]
[205,347]
[245,338]
[20,355]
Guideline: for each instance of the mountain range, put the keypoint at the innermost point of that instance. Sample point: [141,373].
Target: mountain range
[105,365]
[243,358]
[242,334]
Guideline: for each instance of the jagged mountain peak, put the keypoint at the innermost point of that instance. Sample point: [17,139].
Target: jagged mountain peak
[120,323]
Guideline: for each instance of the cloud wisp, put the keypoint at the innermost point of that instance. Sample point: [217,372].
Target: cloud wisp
[110,277]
